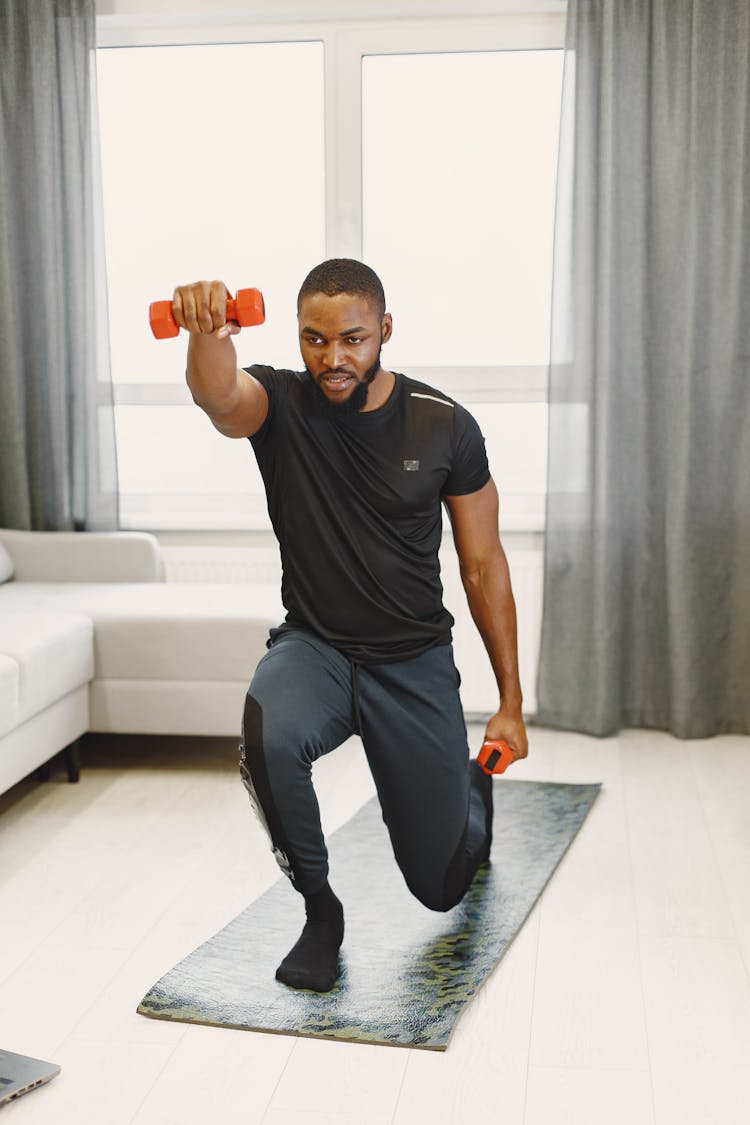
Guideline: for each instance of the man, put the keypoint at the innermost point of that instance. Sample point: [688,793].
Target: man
[356,461]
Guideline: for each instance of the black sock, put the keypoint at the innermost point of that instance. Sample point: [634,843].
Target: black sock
[313,961]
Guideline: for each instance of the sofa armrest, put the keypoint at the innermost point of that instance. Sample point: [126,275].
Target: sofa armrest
[83,556]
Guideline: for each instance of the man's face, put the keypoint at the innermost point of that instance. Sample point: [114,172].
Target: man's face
[340,339]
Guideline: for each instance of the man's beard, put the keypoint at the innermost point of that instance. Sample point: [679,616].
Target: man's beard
[356,401]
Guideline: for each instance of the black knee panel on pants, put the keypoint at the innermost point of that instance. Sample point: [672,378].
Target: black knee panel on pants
[254,773]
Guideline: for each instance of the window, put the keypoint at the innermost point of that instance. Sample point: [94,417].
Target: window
[208,171]
[428,149]
[459,161]
[459,188]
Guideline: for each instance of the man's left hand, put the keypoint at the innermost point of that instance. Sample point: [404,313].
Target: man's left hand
[509,727]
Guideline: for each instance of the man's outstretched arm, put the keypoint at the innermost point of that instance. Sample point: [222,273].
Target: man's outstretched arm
[486,580]
[235,402]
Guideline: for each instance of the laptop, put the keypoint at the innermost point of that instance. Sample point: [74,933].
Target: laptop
[19,1073]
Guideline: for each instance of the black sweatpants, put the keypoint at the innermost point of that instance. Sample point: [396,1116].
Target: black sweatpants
[305,699]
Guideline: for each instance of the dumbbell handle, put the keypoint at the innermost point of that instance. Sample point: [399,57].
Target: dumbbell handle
[231,313]
[246,308]
[495,756]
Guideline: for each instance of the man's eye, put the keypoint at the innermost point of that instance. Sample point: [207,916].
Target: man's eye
[354,340]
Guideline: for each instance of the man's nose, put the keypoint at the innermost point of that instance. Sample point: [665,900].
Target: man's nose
[334,356]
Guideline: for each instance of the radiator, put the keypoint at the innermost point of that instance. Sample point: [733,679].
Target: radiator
[221,564]
[478,689]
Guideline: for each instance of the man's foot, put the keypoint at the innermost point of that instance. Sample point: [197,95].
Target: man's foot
[313,961]
[480,786]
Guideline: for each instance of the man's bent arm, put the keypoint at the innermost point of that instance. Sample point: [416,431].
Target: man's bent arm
[486,580]
[235,402]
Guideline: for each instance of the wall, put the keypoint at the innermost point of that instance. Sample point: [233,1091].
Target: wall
[248,556]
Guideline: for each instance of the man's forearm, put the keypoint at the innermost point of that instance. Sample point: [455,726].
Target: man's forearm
[493,608]
[212,373]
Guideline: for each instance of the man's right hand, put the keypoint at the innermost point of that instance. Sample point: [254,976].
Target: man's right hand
[201,309]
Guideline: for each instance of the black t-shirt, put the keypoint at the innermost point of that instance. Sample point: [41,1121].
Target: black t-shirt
[355,501]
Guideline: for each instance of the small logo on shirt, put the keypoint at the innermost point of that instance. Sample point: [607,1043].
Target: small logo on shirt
[411,466]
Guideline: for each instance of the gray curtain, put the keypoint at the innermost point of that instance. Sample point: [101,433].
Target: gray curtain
[647,569]
[57,445]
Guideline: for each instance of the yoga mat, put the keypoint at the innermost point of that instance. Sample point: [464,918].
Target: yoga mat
[407,971]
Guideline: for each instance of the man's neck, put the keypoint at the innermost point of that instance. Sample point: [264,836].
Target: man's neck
[379,391]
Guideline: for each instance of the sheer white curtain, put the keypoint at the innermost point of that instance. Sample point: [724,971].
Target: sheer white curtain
[57,448]
[647,571]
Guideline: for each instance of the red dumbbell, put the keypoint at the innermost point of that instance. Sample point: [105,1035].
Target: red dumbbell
[247,308]
[495,756]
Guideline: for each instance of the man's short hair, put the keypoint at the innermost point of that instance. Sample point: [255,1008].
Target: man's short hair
[344,275]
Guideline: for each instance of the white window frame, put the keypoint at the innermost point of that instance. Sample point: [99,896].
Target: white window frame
[534,25]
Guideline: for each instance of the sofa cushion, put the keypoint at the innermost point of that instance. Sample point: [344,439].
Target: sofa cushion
[165,630]
[6,565]
[83,556]
[8,694]
[53,651]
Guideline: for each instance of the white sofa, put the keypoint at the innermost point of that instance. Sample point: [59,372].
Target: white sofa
[93,639]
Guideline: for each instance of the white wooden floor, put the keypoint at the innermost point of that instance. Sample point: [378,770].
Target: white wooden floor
[625,999]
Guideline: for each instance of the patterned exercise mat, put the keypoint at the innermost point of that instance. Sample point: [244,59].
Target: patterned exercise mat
[408,972]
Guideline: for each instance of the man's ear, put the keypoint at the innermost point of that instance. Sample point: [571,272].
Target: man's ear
[386,327]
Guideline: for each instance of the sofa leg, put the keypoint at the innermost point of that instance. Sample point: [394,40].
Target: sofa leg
[73,760]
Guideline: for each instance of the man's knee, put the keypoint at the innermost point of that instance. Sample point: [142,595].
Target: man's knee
[438,895]
[252,725]
[261,757]
[255,778]
[271,742]
[439,899]
[252,765]
[438,902]
[442,890]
